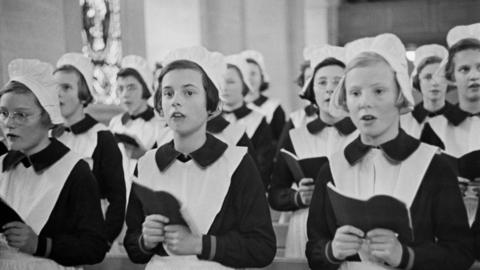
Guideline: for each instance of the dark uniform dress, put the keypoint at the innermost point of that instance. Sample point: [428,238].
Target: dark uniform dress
[274,114]
[410,171]
[312,144]
[96,144]
[56,194]
[222,199]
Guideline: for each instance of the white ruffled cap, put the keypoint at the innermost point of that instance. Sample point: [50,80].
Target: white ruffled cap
[429,50]
[140,65]
[317,55]
[460,32]
[82,63]
[391,48]
[241,63]
[38,77]
[257,57]
[213,63]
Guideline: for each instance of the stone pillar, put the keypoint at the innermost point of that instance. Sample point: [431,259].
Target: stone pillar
[132,24]
[321,22]
[42,29]
[169,25]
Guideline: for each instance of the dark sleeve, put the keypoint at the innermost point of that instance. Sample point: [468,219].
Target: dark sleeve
[277,123]
[262,142]
[85,242]
[107,168]
[281,196]
[476,234]
[321,225]
[251,240]
[454,242]
[283,136]
[133,242]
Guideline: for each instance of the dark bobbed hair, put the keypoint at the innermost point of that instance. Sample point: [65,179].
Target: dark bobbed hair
[425,62]
[84,93]
[210,88]
[245,88]
[125,72]
[462,45]
[263,85]
[309,93]
[20,88]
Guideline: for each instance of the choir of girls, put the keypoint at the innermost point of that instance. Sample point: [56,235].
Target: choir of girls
[219,148]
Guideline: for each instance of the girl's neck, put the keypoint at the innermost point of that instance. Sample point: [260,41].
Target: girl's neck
[327,118]
[232,107]
[75,117]
[188,143]
[472,107]
[433,105]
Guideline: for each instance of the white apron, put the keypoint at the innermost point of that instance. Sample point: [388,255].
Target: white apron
[399,181]
[192,186]
[308,145]
[33,196]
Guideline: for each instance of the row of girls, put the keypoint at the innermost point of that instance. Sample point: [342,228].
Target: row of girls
[62,172]
[74,182]
[370,138]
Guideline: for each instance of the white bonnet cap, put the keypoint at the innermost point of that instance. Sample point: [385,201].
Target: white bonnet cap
[82,63]
[213,63]
[140,65]
[391,48]
[38,77]
[241,63]
[317,55]
[460,32]
[257,57]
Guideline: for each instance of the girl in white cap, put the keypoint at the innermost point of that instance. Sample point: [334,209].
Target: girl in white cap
[308,112]
[462,70]
[259,80]
[236,111]
[385,160]
[89,138]
[136,129]
[429,117]
[48,185]
[222,201]
[312,143]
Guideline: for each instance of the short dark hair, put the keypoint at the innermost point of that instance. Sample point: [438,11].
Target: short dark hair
[309,93]
[20,88]
[462,45]
[84,93]
[425,62]
[263,85]
[210,88]
[245,88]
[125,72]
[301,78]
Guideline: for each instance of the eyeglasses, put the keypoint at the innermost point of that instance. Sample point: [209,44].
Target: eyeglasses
[18,117]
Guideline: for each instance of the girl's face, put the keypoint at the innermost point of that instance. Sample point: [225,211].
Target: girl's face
[324,83]
[371,95]
[184,101]
[70,104]
[255,76]
[130,91]
[467,75]
[20,119]
[432,88]
[232,94]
